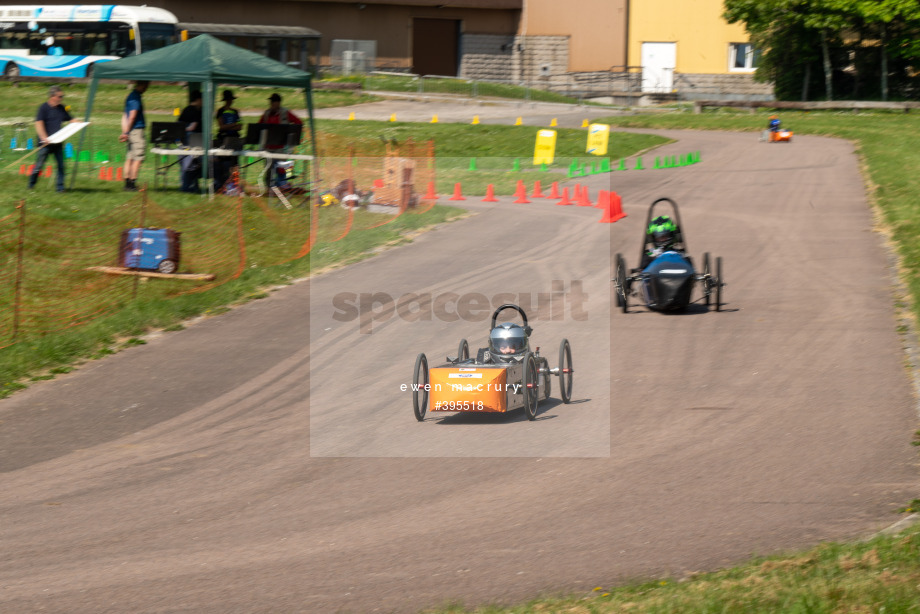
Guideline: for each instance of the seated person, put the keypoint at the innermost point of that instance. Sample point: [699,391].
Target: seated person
[276,114]
[507,341]
[773,125]
[191,165]
[662,235]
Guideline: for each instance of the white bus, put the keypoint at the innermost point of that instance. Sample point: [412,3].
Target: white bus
[66,40]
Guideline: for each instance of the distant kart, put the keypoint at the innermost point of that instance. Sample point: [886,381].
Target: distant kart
[778,136]
[664,282]
[492,382]
[781,136]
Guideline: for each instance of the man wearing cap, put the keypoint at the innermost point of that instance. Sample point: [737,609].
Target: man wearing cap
[51,115]
[276,114]
[228,118]
[228,126]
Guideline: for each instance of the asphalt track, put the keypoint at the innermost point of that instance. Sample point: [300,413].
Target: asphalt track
[266,460]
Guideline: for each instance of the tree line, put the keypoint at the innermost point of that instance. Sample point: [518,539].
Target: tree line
[834,49]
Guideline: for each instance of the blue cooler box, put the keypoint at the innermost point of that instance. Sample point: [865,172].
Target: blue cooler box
[150,249]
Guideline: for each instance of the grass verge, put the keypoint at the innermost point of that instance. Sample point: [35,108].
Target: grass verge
[878,575]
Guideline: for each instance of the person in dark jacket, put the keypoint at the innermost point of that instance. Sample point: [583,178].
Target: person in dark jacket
[51,116]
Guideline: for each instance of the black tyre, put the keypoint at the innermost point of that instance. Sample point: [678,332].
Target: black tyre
[531,386]
[621,284]
[419,390]
[463,352]
[720,281]
[546,381]
[707,279]
[11,70]
[565,371]
[167,266]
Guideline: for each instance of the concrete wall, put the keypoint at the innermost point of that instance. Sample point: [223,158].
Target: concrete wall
[487,56]
[536,52]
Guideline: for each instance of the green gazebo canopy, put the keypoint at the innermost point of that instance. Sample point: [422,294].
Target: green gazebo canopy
[210,62]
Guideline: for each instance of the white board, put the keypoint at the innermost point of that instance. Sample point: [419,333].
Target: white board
[67,131]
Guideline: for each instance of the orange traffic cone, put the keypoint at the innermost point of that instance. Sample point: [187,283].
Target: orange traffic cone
[102,173]
[537,192]
[108,173]
[565,198]
[48,171]
[603,199]
[614,210]
[616,205]
[490,194]
[378,183]
[458,194]
[521,193]
[584,200]
[22,169]
[31,169]
[431,193]
[554,192]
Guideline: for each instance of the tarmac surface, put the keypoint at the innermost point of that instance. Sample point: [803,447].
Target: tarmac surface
[268,460]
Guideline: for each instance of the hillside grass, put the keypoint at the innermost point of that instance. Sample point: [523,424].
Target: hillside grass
[877,576]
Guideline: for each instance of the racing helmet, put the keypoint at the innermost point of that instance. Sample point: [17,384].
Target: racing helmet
[663,231]
[507,340]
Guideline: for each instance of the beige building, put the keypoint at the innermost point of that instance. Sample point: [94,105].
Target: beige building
[582,46]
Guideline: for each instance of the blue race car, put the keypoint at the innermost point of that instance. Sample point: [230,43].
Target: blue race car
[665,277]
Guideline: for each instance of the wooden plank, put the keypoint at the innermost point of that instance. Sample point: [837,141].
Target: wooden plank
[117,270]
[818,105]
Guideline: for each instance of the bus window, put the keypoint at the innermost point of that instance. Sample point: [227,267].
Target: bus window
[156,35]
[120,43]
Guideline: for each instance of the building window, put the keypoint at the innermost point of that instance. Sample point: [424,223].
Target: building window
[743,57]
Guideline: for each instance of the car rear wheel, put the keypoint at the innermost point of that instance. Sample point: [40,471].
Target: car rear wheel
[167,266]
[719,283]
[531,387]
[707,279]
[11,70]
[463,352]
[565,371]
[419,387]
[621,289]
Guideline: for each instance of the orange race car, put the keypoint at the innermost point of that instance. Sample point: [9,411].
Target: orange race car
[505,376]
[775,133]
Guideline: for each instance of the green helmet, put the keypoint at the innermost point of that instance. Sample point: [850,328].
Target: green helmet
[663,231]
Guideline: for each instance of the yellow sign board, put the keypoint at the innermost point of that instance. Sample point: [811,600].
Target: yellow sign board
[545,149]
[598,135]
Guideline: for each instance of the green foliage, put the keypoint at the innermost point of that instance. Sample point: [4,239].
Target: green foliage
[834,48]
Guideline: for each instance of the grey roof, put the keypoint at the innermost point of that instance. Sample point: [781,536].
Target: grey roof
[233,29]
